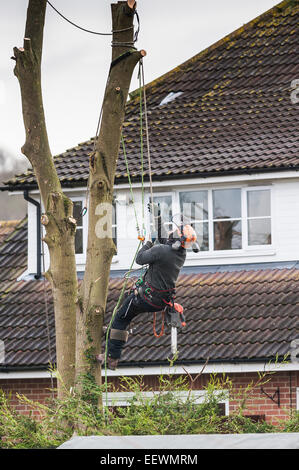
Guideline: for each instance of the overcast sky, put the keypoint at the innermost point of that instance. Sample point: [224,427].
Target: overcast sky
[75,63]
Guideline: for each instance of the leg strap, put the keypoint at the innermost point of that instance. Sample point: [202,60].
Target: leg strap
[121,335]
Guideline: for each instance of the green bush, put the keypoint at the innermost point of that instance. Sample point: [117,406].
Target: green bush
[292,425]
[172,409]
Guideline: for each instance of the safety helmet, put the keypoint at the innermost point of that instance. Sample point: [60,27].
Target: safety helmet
[187,239]
[187,236]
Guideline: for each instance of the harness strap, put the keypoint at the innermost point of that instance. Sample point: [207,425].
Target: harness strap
[171,289]
[162,327]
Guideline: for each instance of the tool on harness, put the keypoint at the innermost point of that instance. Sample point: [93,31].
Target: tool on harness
[175,315]
[174,318]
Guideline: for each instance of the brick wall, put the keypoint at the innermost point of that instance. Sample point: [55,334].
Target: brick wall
[257,404]
[34,389]
[282,387]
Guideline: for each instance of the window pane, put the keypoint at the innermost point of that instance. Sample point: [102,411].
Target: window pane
[202,233]
[165,203]
[259,232]
[194,204]
[114,236]
[114,213]
[165,207]
[79,241]
[258,203]
[77,209]
[226,203]
[227,235]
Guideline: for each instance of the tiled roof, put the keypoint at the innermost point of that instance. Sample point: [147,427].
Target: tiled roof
[231,315]
[6,227]
[234,114]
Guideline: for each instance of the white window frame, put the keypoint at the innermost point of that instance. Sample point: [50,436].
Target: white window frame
[123,398]
[246,249]
[81,257]
[245,209]
[158,194]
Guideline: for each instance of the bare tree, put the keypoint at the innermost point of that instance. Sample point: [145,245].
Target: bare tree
[78,315]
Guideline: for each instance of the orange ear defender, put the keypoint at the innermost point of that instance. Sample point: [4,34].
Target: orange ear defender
[188,235]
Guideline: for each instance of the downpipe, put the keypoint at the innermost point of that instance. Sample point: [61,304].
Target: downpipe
[38,274]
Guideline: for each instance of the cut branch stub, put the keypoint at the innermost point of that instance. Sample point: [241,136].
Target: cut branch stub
[44,219]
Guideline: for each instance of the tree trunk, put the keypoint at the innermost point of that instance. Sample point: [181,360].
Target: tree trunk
[88,308]
[59,223]
[100,247]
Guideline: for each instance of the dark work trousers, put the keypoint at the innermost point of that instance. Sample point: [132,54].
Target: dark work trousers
[131,307]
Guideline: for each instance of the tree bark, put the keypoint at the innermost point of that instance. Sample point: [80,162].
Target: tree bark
[78,318]
[59,223]
[100,247]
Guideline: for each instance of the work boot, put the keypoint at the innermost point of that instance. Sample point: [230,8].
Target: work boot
[111,363]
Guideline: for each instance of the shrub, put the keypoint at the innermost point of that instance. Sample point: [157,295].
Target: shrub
[292,425]
[172,409]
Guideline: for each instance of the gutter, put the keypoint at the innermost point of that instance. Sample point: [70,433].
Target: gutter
[142,364]
[185,362]
[38,274]
[161,178]
[214,367]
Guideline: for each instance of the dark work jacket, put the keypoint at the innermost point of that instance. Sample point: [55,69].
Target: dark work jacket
[164,264]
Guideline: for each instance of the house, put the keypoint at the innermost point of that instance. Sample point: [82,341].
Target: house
[224,150]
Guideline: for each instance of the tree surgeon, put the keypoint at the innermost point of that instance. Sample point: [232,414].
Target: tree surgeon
[155,291]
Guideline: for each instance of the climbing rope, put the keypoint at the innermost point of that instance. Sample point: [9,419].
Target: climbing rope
[147,141]
[141,235]
[96,32]
[112,318]
[141,145]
